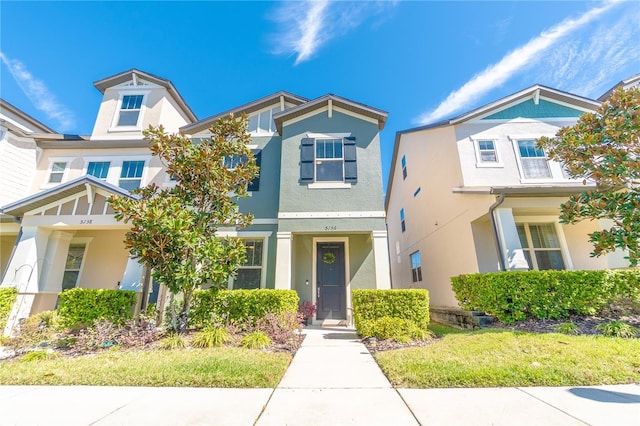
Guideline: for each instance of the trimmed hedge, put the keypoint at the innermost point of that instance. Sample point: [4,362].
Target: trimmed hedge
[83,306]
[514,296]
[370,307]
[240,305]
[8,296]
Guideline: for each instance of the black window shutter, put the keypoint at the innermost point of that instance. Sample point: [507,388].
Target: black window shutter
[255,183]
[350,163]
[306,160]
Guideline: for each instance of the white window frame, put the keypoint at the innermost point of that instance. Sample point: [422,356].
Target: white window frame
[330,160]
[86,168]
[115,166]
[478,153]
[250,235]
[84,241]
[65,173]
[262,266]
[116,116]
[418,269]
[555,168]
[546,220]
[328,184]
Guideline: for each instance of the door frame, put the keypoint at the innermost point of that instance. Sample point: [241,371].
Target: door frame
[347,272]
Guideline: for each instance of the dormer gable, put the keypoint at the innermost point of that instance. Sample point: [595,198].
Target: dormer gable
[134,100]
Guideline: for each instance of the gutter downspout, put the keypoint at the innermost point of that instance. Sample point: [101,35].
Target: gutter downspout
[494,206]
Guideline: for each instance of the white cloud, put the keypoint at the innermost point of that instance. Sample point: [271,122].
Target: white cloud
[307,25]
[516,60]
[39,94]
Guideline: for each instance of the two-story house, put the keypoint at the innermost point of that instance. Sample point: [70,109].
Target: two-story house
[319,220]
[475,194]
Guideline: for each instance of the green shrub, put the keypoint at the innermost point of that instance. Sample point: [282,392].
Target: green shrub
[255,340]
[568,328]
[517,295]
[172,341]
[410,304]
[37,356]
[239,306]
[8,297]
[83,306]
[210,337]
[38,328]
[398,329]
[617,329]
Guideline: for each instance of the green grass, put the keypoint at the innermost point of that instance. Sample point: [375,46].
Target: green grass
[490,358]
[217,367]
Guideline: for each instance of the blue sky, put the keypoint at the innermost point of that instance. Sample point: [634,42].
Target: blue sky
[421,61]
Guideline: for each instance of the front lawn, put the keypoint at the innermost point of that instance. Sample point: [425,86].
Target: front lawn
[494,358]
[223,367]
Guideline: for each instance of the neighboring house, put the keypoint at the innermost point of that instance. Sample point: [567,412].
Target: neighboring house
[474,194]
[627,83]
[319,221]
[18,159]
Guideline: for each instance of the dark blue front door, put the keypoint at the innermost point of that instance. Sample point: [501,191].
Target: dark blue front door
[331,281]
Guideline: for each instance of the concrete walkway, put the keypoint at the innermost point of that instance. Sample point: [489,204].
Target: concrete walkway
[332,380]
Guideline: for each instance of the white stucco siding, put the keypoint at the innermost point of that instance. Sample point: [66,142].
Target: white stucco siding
[506,171]
[105,259]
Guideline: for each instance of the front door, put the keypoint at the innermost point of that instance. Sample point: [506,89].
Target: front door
[330,283]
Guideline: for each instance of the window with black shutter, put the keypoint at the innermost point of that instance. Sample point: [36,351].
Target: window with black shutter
[255,183]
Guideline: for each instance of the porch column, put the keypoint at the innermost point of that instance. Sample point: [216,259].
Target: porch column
[283,260]
[381,259]
[510,241]
[24,271]
[56,255]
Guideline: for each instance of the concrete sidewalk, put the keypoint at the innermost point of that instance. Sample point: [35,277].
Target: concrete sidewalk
[332,380]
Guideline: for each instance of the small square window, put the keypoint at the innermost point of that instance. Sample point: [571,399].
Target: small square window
[57,172]
[487,152]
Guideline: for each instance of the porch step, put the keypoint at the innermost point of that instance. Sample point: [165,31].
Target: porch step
[331,323]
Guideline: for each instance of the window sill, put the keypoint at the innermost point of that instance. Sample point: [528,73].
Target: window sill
[122,129]
[490,165]
[329,185]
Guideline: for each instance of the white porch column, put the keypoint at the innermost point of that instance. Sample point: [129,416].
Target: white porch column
[381,259]
[56,255]
[283,260]
[509,241]
[24,271]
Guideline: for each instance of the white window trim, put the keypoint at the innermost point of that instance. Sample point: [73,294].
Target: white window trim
[268,109]
[329,185]
[86,241]
[65,174]
[116,115]
[554,167]
[255,235]
[115,166]
[487,164]
[543,220]
[322,184]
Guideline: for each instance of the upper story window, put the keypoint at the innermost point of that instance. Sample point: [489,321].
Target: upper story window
[416,267]
[487,152]
[328,160]
[541,245]
[402,222]
[533,161]
[57,171]
[131,175]
[262,121]
[130,108]
[404,167]
[99,169]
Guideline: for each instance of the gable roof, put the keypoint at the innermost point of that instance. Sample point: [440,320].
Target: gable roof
[535,92]
[75,186]
[347,104]
[37,126]
[126,76]
[247,108]
[631,81]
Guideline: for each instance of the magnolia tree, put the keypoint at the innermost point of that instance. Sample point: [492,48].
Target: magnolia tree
[604,147]
[173,230]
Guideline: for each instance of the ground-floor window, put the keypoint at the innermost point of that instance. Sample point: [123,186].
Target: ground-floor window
[72,266]
[250,273]
[416,267]
[541,245]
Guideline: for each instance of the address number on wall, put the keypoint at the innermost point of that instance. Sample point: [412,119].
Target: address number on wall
[330,227]
[86,221]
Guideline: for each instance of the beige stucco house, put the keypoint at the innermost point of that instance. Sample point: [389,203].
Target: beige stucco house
[474,194]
